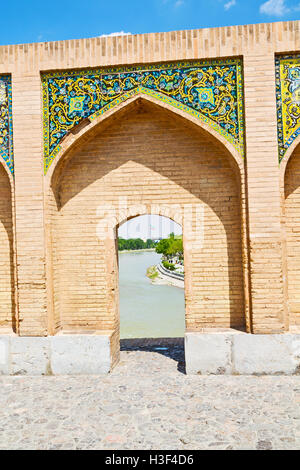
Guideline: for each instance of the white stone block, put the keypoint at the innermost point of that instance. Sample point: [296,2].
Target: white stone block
[80,354]
[30,356]
[4,355]
[266,354]
[296,351]
[208,353]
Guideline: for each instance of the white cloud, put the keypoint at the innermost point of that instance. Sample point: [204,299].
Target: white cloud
[120,33]
[174,4]
[274,8]
[229,4]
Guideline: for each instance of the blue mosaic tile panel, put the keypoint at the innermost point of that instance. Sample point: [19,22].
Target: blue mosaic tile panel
[288,101]
[6,128]
[211,91]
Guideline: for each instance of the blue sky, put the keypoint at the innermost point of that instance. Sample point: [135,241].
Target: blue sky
[35,20]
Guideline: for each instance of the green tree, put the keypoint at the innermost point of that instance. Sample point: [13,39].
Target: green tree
[175,247]
[150,243]
[170,246]
[163,246]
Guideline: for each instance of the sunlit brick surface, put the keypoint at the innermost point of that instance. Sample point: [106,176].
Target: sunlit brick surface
[149,161]
[65,277]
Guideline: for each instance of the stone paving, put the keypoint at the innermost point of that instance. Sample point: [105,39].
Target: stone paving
[148,402]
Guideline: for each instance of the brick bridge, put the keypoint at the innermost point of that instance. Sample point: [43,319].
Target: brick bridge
[201,126]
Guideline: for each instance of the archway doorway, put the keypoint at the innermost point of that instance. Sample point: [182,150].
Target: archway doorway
[151,288]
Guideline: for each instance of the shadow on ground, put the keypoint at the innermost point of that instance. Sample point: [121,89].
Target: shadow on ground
[169,347]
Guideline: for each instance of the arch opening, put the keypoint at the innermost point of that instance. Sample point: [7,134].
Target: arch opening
[151,278]
[151,287]
[146,156]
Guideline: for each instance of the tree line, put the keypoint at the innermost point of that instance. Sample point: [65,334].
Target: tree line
[135,244]
[168,247]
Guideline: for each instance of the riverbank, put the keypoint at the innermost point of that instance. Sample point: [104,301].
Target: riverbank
[157,277]
[137,251]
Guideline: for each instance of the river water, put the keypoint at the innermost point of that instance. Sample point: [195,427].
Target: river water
[147,310]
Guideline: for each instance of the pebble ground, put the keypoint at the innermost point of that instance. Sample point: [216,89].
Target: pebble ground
[148,402]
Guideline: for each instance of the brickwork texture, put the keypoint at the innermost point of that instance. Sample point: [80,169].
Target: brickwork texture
[240,213]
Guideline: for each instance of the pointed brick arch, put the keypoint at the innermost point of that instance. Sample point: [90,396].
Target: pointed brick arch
[290,190]
[284,162]
[156,149]
[8,308]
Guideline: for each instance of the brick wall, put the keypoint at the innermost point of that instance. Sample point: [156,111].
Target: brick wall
[29,227]
[50,278]
[264,203]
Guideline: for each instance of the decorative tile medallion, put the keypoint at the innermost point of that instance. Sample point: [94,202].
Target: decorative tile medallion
[6,128]
[211,91]
[288,101]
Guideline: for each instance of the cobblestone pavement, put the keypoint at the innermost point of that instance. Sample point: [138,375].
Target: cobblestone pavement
[148,402]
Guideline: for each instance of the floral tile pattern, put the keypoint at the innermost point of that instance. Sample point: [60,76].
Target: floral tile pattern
[288,100]
[210,90]
[6,128]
